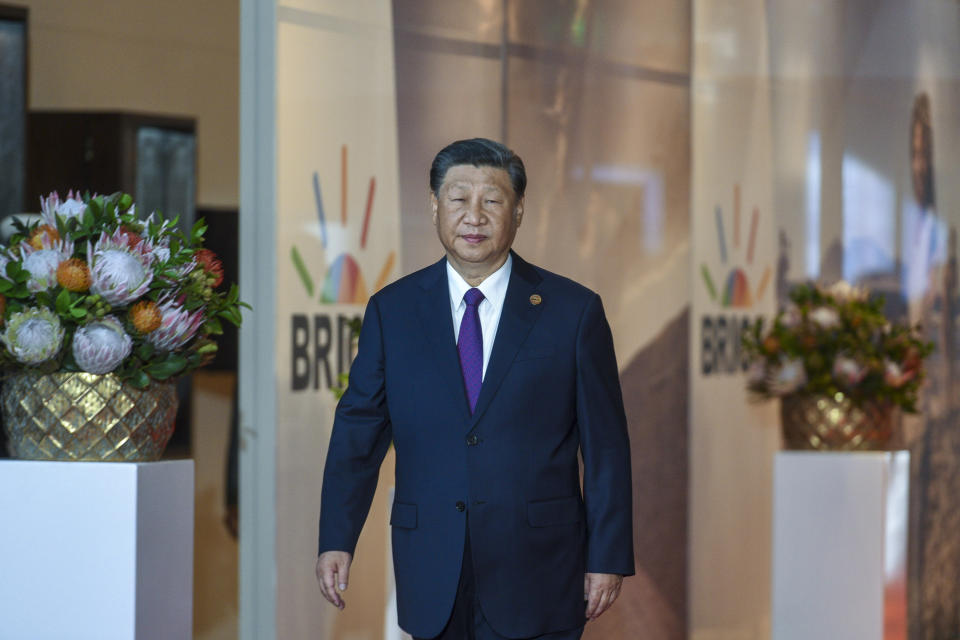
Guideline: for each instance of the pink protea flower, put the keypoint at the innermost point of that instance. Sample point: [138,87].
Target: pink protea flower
[895,375]
[848,371]
[101,346]
[42,263]
[120,273]
[177,327]
[52,207]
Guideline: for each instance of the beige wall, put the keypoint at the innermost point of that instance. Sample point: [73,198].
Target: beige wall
[176,57]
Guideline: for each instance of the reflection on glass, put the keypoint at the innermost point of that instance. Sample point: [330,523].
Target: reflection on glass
[812,250]
[651,181]
[869,228]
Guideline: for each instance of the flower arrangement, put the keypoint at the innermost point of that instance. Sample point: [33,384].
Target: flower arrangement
[836,340]
[92,287]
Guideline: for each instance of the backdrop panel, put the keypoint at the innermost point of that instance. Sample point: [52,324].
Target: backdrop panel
[337,243]
[838,121]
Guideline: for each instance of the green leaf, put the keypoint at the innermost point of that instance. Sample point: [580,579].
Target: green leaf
[78,312]
[213,326]
[63,302]
[199,228]
[145,351]
[5,285]
[140,379]
[17,273]
[232,316]
[164,369]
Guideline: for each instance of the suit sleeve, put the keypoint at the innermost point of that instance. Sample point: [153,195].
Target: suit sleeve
[605,447]
[360,439]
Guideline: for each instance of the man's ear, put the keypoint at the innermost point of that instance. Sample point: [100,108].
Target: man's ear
[435,206]
[518,212]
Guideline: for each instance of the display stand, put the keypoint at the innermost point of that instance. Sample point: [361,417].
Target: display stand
[98,550]
[840,545]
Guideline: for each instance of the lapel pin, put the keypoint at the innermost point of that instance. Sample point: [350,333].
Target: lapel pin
[535,299]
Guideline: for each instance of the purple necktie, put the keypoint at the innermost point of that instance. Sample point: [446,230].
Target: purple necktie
[470,346]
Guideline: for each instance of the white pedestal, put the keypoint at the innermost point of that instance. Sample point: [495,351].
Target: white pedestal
[840,545]
[98,550]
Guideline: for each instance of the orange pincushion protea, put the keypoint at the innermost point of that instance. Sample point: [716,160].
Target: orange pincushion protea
[41,232]
[145,316]
[74,275]
[209,262]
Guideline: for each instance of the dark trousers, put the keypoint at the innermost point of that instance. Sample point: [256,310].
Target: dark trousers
[467,621]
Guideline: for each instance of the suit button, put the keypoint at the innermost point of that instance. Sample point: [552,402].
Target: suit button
[472,439]
[461,506]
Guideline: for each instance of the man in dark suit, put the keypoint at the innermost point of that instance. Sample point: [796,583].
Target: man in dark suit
[489,375]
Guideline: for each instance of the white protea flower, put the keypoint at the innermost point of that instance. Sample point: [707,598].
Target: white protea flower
[101,346]
[120,273]
[843,290]
[52,207]
[42,263]
[5,259]
[33,335]
[787,377]
[825,317]
[177,326]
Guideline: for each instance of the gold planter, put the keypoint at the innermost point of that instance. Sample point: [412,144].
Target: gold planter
[835,423]
[83,416]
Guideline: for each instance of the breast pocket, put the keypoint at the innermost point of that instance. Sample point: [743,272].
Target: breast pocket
[551,513]
[404,515]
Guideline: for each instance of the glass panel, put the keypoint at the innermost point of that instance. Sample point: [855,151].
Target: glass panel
[440,98]
[166,173]
[477,21]
[654,35]
[12,118]
[179,199]
[150,171]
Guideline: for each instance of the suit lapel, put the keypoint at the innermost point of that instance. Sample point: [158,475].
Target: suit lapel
[433,309]
[516,320]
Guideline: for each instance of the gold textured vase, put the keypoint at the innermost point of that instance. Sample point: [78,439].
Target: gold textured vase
[835,423]
[84,416]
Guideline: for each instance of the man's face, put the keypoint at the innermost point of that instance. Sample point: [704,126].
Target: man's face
[477,214]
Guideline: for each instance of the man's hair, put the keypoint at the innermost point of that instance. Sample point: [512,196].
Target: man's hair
[479,152]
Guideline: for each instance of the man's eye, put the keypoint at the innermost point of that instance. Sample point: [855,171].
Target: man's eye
[493,202]
[458,199]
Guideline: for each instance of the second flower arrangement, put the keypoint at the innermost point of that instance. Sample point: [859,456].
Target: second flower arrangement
[92,287]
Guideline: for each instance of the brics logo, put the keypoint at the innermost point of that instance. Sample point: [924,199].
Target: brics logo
[343,281]
[720,334]
[322,345]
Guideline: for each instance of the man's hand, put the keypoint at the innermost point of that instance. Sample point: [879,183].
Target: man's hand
[333,570]
[600,590]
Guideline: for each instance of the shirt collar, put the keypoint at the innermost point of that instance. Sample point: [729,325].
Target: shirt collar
[493,287]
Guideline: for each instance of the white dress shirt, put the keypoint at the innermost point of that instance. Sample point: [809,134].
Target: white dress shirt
[494,290]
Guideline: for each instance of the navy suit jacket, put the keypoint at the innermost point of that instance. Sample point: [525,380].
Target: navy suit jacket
[510,471]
